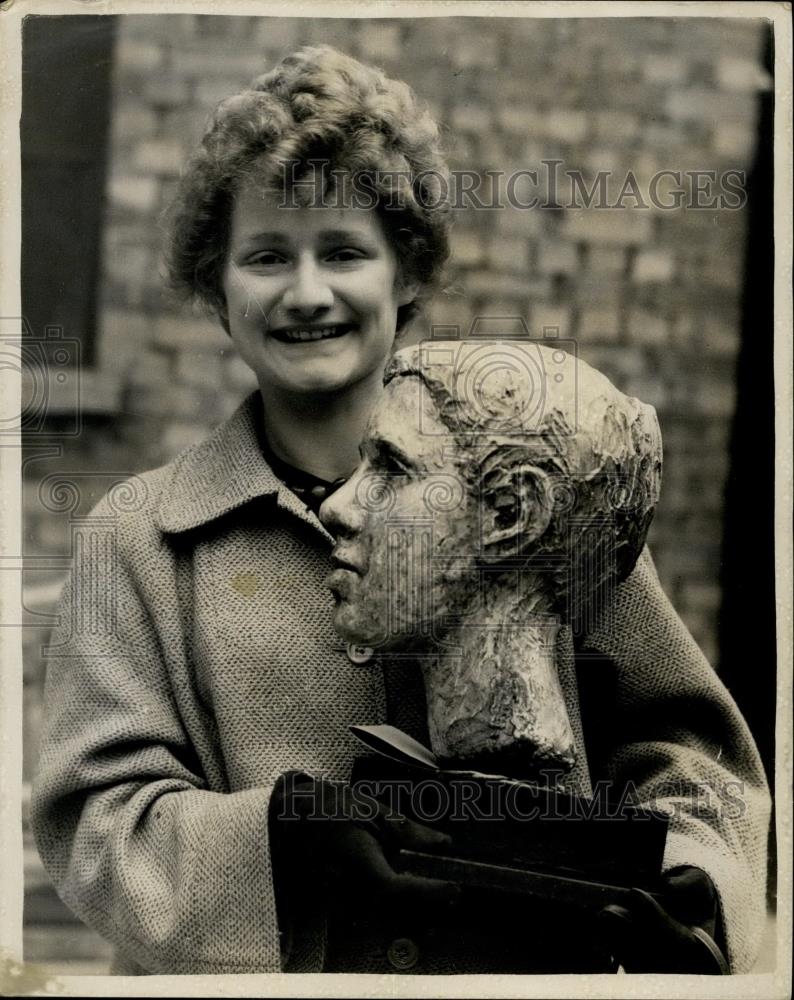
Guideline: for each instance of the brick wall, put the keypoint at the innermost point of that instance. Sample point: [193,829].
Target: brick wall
[651,297]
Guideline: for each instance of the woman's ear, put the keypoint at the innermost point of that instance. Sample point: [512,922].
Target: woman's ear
[516,508]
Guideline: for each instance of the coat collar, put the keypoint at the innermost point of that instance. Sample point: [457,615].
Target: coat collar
[223,472]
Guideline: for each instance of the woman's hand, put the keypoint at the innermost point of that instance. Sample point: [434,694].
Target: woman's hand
[345,838]
[646,937]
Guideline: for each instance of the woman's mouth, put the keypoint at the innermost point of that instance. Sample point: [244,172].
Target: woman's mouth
[308,334]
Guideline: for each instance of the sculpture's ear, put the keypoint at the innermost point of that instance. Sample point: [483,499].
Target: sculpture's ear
[516,508]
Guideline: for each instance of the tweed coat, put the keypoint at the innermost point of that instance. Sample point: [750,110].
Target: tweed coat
[195,661]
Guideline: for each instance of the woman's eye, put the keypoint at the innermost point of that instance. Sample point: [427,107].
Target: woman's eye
[266,259]
[344,254]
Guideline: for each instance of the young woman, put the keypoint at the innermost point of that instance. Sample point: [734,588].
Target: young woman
[196,664]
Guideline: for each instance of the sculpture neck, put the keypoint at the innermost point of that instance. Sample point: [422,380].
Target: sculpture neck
[492,686]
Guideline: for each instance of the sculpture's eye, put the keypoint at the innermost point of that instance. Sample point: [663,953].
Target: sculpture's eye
[391,462]
[393,466]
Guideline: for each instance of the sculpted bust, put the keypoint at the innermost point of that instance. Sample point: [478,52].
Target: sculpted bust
[505,489]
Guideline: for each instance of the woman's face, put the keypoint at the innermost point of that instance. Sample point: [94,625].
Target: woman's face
[311,293]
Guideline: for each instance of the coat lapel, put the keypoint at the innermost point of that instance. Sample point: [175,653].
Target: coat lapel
[222,473]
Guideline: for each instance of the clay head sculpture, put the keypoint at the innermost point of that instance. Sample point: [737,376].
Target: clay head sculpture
[505,489]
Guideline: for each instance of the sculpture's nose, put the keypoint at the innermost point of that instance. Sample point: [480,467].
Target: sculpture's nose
[341,513]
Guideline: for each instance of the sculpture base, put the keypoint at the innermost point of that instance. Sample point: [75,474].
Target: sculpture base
[509,831]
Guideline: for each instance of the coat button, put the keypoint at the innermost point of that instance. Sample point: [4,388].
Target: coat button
[402,953]
[359,654]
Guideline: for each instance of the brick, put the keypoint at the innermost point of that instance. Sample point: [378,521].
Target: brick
[653,266]
[712,465]
[557,258]
[178,436]
[599,324]
[139,194]
[467,248]
[506,286]
[663,135]
[546,318]
[720,338]
[454,311]
[517,221]
[380,40]
[160,156]
[734,140]
[517,118]
[608,260]
[664,69]
[121,336]
[227,402]
[602,357]
[647,328]
[712,397]
[212,90]
[132,121]
[205,63]
[54,537]
[702,104]
[130,266]
[199,368]
[566,125]
[622,226]
[144,27]
[141,56]
[499,154]
[721,276]
[163,399]
[508,254]
[164,90]
[647,389]
[238,375]
[278,34]
[737,75]
[187,123]
[472,118]
[150,366]
[475,51]
[590,289]
[197,333]
[616,126]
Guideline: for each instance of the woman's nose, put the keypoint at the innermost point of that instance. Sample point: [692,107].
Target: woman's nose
[308,292]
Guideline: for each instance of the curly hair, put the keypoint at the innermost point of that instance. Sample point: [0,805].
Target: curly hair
[316,105]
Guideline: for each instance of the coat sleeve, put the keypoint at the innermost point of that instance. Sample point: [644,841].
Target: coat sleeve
[134,828]
[676,737]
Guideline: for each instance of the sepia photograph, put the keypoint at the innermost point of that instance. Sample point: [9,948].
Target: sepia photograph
[395,429]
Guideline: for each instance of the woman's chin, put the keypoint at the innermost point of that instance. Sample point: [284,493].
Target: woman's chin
[320,377]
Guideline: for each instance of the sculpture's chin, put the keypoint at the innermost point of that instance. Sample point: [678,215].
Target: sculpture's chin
[351,626]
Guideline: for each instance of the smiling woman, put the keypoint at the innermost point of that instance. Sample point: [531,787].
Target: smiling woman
[196,672]
[311,297]
[270,232]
